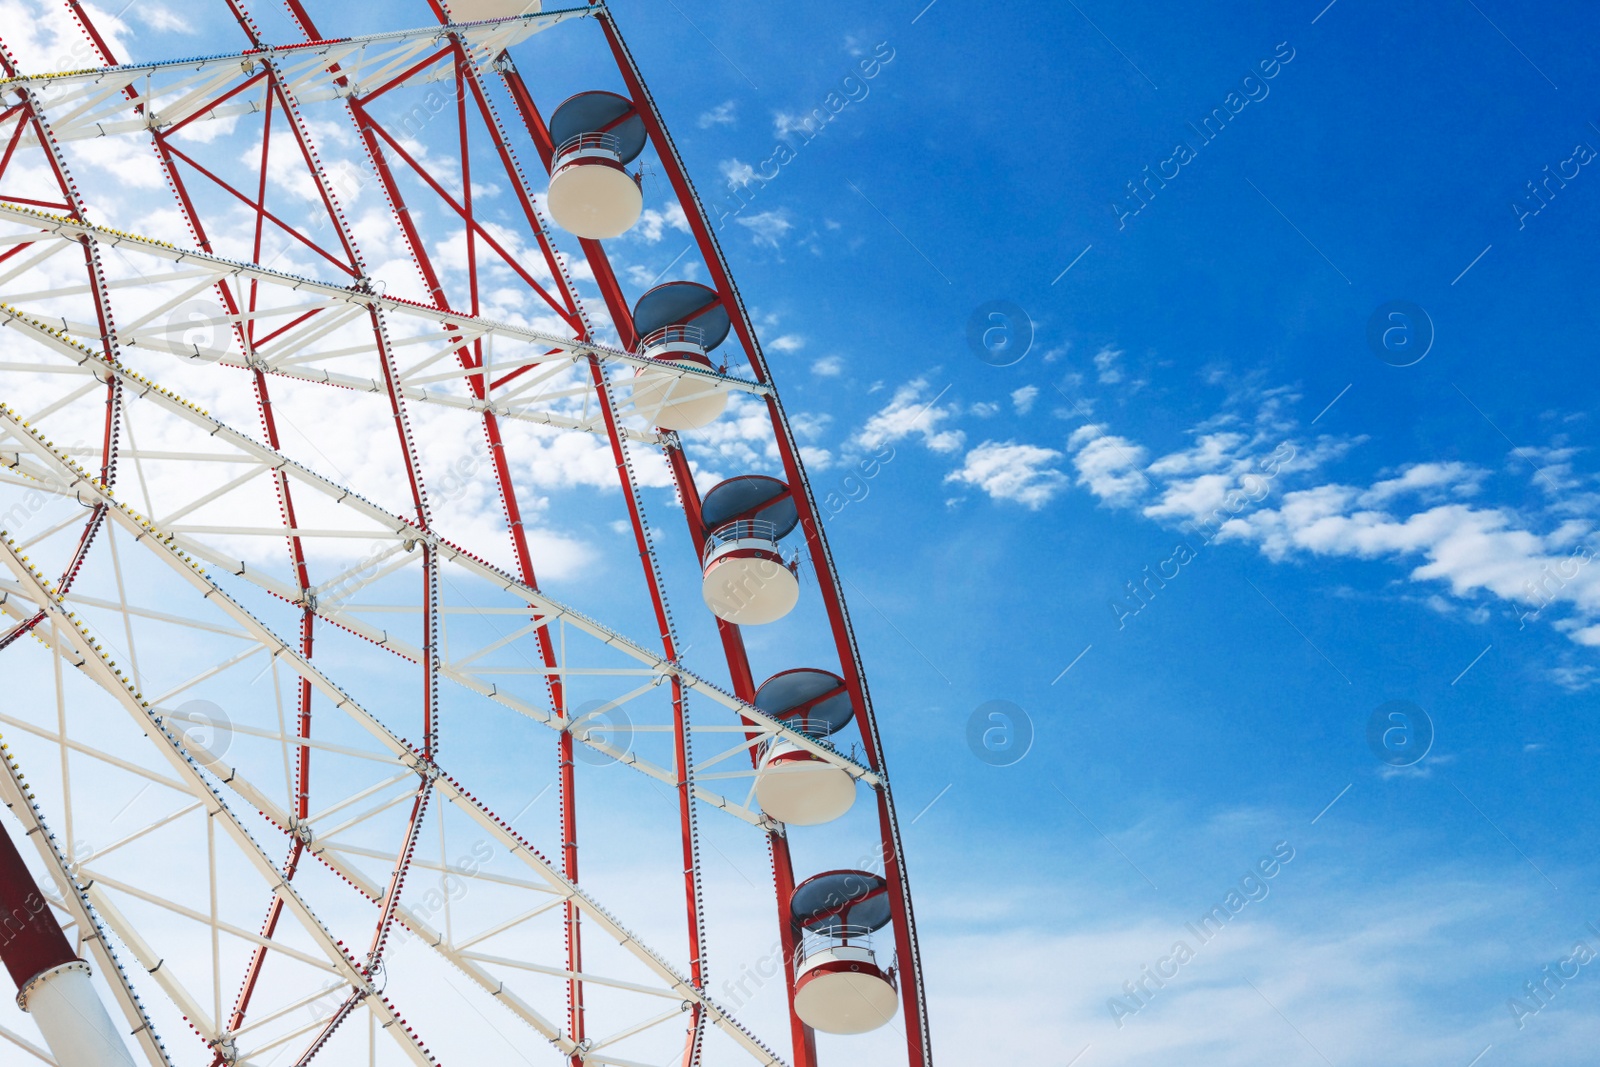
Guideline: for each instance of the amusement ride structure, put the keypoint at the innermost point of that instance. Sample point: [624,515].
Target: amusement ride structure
[274,644]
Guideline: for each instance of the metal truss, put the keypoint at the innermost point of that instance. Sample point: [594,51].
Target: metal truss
[315,331]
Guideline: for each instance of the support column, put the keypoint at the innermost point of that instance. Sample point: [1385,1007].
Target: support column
[53,984]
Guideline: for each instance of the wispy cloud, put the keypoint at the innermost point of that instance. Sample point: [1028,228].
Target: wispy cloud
[163,19]
[1428,976]
[737,172]
[767,228]
[1105,361]
[1429,515]
[724,114]
[912,411]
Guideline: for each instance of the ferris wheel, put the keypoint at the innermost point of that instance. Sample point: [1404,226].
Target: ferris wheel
[296,636]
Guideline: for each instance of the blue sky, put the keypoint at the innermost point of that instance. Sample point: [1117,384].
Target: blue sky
[1384,555]
[1378,164]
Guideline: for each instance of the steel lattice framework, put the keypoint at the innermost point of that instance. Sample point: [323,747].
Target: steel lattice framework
[170,514]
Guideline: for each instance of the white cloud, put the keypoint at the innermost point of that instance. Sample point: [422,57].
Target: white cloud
[768,227]
[653,224]
[1552,467]
[1210,452]
[1461,479]
[1022,399]
[124,160]
[1105,361]
[162,19]
[807,122]
[1587,635]
[789,342]
[1421,513]
[1005,470]
[828,367]
[985,409]
[1575,679]
[742,437]
[1472,549]
[909,413]
[1525,564]
[816,459]
[45,37]
[1218,468]
[724,114]
[1195,498]
[808,425]
[737,171]
[566,460]
[1109,466]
